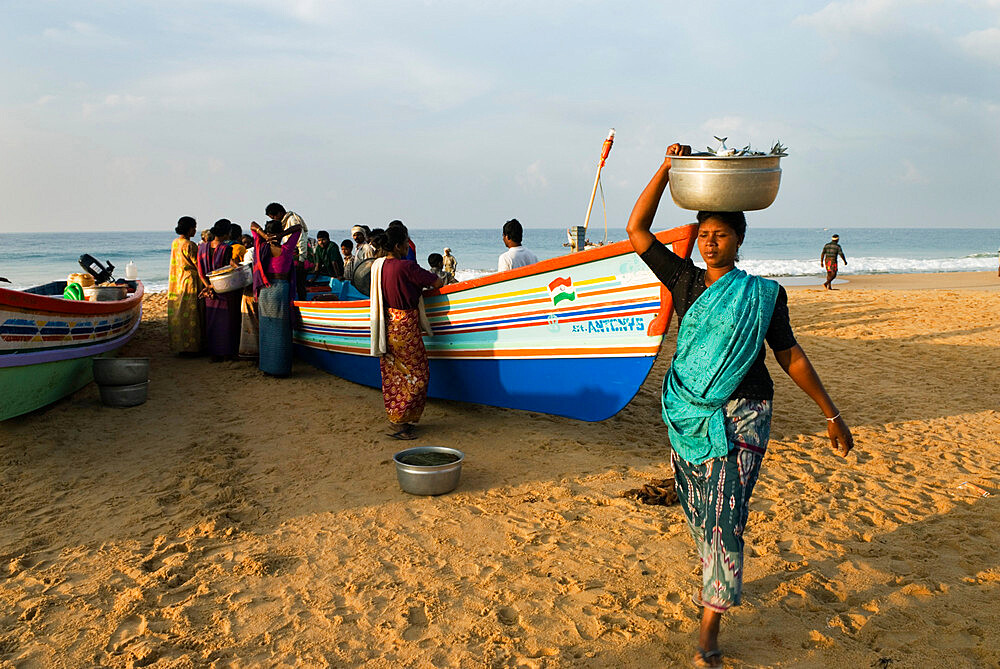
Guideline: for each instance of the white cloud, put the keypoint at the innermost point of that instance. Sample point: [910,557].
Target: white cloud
[309,12]
[126,169]
[867,16]
[116,102]
[532,178]
[126,100]
[374,75]
[81,34]
[421,80]
[984,44]
[912,175]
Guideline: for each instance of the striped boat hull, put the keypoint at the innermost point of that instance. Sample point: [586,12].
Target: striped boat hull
[573,336]
[47,344]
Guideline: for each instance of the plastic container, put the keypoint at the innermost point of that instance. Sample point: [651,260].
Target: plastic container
[82,278]
[131,271]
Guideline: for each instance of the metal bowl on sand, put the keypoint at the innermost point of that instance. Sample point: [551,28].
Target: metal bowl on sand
[121,371]
[428,470]
[724,183]
[124,396]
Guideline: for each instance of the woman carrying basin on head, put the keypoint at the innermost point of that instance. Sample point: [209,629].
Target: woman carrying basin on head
[716,398]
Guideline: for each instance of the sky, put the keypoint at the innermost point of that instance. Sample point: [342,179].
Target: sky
[463,114]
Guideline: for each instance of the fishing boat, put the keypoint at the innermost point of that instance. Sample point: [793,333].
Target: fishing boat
[47,342]
[571,336]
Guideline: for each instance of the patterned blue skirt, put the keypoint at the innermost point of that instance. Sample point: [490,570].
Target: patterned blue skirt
[274,310]
[715,497]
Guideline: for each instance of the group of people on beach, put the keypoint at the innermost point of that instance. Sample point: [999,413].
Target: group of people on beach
[253,323]
[256,323]
[716,397]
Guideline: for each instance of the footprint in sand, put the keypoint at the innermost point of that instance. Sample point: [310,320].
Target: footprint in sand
[507,615]
[129,630]
[417,619]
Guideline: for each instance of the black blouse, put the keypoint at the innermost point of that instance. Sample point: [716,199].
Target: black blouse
[686,282]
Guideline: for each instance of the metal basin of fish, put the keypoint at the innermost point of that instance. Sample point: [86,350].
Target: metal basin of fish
[428,470]
[724,183]
[228,279]
[124,396]
[121,371]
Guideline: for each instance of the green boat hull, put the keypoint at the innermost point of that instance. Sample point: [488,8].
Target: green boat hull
[30,387]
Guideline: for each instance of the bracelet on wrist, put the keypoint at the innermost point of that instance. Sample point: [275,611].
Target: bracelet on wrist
[834,417]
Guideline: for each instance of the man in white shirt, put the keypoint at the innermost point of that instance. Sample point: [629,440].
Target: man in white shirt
[516,255]
[362,251]
[362,248]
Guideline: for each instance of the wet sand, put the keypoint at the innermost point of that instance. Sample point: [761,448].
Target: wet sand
[239,521]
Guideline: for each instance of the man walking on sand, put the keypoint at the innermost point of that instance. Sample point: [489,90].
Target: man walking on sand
[828,260]
[449,262]
[516,255]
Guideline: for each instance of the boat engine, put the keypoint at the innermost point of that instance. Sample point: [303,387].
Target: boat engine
[96,269]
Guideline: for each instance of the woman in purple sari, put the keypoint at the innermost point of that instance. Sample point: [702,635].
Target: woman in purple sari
[222,310]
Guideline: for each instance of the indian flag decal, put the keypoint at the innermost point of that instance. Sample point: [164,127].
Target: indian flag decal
[562,289]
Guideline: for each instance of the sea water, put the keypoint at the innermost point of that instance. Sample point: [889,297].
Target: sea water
[28,259]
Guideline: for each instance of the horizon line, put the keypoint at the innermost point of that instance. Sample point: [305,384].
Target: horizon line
[492,229]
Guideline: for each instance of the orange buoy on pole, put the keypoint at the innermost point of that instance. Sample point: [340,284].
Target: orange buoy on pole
[605,150]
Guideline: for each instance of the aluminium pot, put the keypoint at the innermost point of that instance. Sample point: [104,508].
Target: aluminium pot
[419,479]
[124,396]
[724,183]
[121,371]
[228,279]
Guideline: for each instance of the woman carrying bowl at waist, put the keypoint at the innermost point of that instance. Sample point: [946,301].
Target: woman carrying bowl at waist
[272,281]
[717,395]
[222,310]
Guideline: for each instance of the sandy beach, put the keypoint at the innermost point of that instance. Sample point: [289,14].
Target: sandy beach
[236,520]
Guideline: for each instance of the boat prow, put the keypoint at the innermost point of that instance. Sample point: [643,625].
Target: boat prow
[572,336]
[47,343]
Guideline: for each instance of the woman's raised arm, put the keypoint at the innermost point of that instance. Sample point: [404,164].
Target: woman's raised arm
[641,220]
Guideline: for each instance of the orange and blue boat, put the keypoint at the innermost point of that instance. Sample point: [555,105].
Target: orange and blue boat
[47,343]
[571,336]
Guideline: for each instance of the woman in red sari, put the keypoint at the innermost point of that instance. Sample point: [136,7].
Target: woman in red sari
[405,370]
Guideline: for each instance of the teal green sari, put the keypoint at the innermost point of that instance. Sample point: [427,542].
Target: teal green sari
[719,338]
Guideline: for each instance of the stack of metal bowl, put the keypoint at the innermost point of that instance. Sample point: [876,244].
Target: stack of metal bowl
[428,470]
[123,382]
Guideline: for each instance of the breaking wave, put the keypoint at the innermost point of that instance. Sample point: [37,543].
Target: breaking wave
[872,265]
